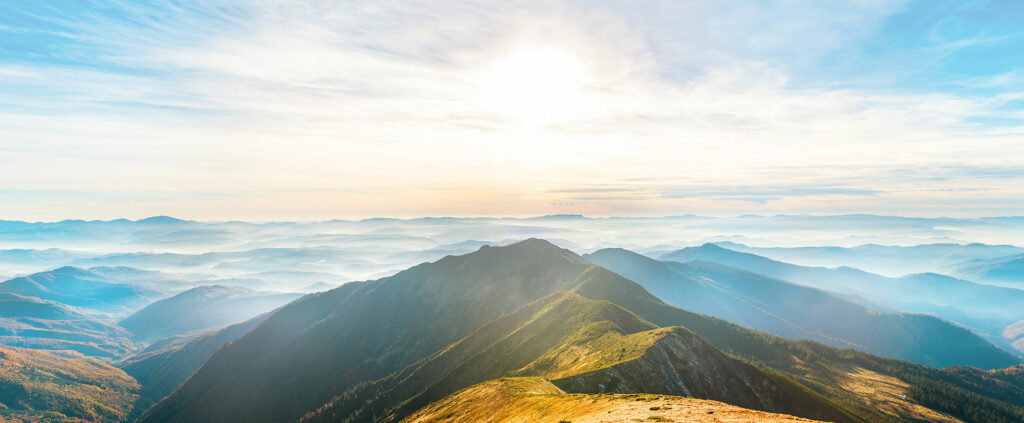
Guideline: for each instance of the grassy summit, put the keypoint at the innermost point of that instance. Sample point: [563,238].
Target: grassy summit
[537,400]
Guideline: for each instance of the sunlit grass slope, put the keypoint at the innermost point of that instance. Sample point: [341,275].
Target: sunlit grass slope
[36,386]
[522,400]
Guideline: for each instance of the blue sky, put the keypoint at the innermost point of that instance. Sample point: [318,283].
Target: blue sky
[306,109]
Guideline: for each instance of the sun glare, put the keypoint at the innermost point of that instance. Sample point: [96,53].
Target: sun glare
[534,86]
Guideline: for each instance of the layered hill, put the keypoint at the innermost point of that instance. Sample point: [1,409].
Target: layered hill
[884,259]
[201,308]
[36,386]
[524,400]
[801,312]
[29,322]
[986,308]
[1008,270]
[581,345]
[85,289]
[415,337]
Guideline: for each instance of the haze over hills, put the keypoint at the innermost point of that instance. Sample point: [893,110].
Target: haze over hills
[1007,270]
[986,308]
[84,289]
[201,308]
[178,245]
[417,316]
[407,340]
[29,322]
[800,312]
[888,260]
[166,364]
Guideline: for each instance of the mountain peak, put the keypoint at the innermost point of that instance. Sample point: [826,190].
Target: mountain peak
[161,220]
[533,243]
[65,270]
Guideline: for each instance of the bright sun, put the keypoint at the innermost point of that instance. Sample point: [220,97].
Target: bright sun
[534,86]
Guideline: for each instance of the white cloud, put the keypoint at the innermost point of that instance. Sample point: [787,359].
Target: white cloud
[379,102]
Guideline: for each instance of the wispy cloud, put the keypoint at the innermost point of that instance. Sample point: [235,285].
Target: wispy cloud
[378,103]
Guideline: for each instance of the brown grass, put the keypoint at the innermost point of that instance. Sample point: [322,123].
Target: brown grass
[537,400]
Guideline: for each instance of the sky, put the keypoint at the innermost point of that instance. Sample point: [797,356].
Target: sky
[303,109]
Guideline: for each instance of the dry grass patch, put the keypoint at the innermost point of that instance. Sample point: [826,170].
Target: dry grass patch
[522,400]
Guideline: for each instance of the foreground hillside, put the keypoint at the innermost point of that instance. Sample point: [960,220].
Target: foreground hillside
[404,341]
[537,400]
[582,346]
[36,386]
[321,345]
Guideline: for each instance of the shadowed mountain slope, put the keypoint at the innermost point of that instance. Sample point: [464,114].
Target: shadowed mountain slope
[801,312]
[582,346]
[163,368]
[201,308]
[323,344]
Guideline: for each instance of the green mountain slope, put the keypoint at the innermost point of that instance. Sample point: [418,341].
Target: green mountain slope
[582,346]
[28,322]
[201,308]
[323,344]
[801,312]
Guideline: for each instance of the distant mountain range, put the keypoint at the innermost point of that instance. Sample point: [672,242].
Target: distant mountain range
[800,312]
[1008,270]
[983,307]
[29,322]
[888,260]
[201,308]
[88,290]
